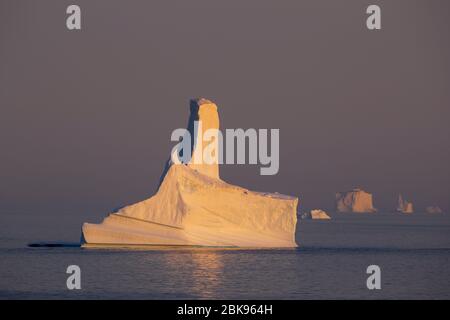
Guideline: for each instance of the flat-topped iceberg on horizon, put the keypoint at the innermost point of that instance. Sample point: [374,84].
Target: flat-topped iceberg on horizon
[316,214]
[194,207]
[433,209]
[356,200]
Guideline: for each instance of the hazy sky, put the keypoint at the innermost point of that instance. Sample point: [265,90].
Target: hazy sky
[86,116]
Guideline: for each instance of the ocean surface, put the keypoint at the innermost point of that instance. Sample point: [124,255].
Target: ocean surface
[413,252]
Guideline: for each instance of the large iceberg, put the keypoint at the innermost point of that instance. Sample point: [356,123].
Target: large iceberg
[356,200]
[194,207]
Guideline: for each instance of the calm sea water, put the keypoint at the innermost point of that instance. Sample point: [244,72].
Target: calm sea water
[413,253]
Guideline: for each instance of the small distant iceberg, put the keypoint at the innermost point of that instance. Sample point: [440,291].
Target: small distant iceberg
[433,209]
[315,214]
[356,200]
[404,206]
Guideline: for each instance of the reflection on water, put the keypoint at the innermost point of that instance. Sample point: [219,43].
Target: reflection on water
[204,271]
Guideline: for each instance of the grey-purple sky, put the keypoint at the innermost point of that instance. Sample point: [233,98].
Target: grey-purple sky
[86,116]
